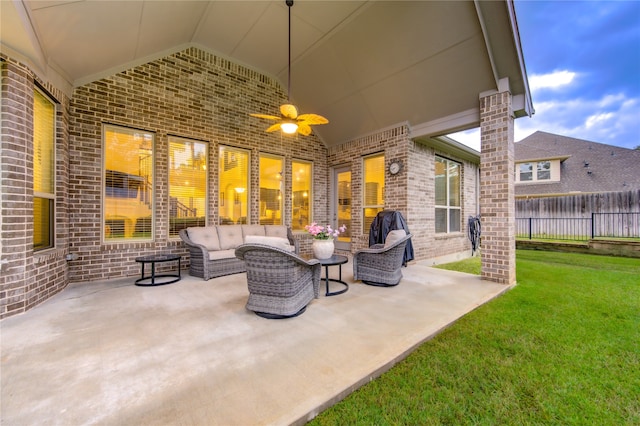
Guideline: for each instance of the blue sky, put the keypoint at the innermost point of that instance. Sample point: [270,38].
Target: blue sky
[583,64]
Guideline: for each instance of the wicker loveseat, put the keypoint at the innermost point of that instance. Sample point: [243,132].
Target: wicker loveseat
[212,248]
[281,284]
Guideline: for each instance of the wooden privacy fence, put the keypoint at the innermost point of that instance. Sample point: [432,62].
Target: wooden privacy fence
[579,217]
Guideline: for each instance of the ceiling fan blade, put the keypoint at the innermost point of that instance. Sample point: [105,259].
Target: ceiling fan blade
[304,129]
[289,111]
[273,127]
[312,119]
[268,117]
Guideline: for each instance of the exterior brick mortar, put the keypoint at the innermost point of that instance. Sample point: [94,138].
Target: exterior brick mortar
[497,200]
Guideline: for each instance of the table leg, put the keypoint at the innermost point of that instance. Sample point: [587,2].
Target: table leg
[326,279]
[153,273]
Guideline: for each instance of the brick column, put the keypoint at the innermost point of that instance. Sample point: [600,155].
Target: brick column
[497,203]
[16,188]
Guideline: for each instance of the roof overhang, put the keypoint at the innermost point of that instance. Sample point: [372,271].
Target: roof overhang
[365,65]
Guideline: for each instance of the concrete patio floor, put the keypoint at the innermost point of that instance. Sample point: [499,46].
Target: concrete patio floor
[189,353]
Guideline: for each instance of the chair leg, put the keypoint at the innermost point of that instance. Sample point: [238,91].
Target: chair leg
[278,316]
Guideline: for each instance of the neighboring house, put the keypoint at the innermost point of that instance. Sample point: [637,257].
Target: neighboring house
[116,133]
[549,165]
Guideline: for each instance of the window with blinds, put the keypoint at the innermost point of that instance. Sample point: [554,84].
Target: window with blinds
[44,160]
[271,189]
[128,165]
[301,173]
[373,196]
[448,198]
[187,184]
[233,178]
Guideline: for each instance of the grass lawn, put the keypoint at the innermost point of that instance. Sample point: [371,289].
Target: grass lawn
[562,347]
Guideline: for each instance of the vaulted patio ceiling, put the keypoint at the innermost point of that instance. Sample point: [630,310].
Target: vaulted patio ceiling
[365,65]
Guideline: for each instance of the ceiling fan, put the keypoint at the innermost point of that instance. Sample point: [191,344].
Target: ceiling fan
[289,120]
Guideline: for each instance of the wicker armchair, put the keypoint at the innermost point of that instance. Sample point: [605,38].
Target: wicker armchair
[281,284]
[380,264]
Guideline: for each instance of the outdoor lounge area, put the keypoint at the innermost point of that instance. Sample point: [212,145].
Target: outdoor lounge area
[110,352]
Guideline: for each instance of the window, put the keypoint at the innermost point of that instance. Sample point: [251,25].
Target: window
[543,171]
[301,172]
[447,192]
[233,177]
[526,172]
[44,160]
[373,203]
[128,210]
[271,189]
[187,184]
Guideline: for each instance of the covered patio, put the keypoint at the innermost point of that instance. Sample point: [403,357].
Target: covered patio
[109,352]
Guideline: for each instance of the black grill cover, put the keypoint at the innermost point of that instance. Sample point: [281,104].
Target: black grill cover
[386,221]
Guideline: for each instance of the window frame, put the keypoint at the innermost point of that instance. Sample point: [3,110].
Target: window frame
[365,205]
[309,193]
[178,139]
[242,198]
[131,131]
[261,156]
[535,170]
[40,195]
[448,208]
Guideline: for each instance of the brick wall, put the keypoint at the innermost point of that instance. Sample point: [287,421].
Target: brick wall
[394,143]
[426,243]
[497,200]
[192,94]
[411,191]
[28,278]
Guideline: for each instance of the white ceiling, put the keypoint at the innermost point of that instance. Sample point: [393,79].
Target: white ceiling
[365,65]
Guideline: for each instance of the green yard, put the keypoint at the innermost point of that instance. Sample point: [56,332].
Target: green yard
[562,347]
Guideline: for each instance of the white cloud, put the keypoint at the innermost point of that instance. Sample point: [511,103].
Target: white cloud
[552,80]
[611,119]
[598,119]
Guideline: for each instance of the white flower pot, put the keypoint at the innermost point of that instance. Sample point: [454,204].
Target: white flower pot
[322,249]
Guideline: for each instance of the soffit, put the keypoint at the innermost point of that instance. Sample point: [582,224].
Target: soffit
[365,65]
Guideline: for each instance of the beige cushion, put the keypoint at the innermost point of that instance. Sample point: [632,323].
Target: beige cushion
[394,236]
[204,235]
[276,231]
[230,236]
[277,242]
[222,254]
[252,230]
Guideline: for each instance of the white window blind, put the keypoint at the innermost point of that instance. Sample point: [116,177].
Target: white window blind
[128,206]
[44,129]
[188,161]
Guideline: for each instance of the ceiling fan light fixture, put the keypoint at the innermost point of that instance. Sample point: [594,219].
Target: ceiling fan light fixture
[289,121]
[289,127]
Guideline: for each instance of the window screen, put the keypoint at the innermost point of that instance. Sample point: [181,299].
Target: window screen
[233,177]
[187,184]
[271,190]
[447,196]
[373,196]
[301,172]
[128,210]
[44,130]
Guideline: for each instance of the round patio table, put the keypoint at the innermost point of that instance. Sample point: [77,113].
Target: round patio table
[153,259]
[339,260]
